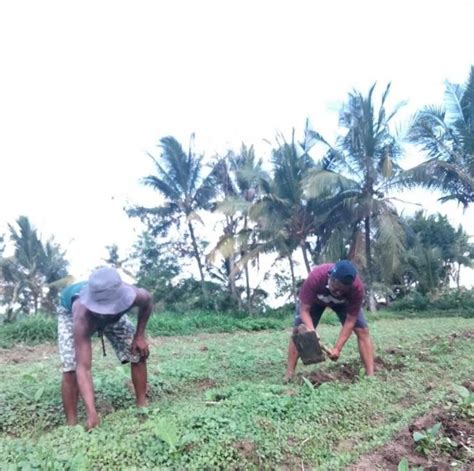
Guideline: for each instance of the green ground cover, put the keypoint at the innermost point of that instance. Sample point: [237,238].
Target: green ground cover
[219,401]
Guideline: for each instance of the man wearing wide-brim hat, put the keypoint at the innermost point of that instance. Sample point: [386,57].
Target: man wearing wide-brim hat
[99,305]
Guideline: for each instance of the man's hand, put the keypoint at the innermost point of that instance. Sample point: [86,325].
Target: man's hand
[140,346]
[92,422]
[303,328]
[334,354]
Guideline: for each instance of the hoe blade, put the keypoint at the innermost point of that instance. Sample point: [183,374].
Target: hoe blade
[309,348]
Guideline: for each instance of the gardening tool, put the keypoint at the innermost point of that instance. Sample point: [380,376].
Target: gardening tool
[309,346]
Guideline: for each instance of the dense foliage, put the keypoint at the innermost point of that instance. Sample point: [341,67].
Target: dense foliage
[308,198]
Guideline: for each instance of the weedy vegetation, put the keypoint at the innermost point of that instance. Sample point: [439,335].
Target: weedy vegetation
[218,401]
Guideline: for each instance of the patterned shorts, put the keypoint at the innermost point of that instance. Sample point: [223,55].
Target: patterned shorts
[120,335]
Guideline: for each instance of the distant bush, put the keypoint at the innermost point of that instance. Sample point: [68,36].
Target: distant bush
[42,328]
[30,330]
[414,301]
[203,321]
[461,301]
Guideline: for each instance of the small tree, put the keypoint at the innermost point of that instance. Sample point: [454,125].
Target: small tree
[435,252]
[29,276]
[157,267]
[179,179]
[239,177]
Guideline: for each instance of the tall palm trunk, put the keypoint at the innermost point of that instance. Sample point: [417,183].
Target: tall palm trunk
[198,260]
[293,281]
[246,271]
[232,284]
[230,224]
[305,256]
[368,252]
[10,313]
[247,288]
[458,276]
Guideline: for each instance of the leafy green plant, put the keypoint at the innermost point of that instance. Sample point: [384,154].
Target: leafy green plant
[431,440]
[166,431]
[308,384]
[465,401]
[405,466]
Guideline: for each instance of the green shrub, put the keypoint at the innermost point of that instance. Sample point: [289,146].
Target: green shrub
[31,330]
[454,299]
[461,301]
[413,301]
[43,328]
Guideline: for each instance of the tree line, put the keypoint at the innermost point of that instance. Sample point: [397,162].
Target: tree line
[321,199]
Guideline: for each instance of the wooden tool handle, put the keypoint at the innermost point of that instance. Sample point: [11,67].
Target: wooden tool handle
[323,347]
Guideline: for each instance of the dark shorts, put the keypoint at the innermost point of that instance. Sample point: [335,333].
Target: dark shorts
[317,311]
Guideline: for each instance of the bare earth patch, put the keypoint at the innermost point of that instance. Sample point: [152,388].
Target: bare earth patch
[24,354]
[459,430]
[203,384]
[349,372]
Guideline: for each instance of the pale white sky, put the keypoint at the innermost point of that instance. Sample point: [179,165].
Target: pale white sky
[87,87]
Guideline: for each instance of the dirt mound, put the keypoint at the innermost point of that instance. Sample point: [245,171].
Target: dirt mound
[350,372]
[450,445]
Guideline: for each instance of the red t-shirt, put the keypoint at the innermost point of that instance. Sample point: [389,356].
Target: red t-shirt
[315,291]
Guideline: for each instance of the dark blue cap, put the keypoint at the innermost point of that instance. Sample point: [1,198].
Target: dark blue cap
[344,271]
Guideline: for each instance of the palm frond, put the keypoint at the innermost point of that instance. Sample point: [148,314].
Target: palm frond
[168,191]
[390,240]
[381,115]
[194,216]
[454,181]
[324,183]
[232,205]
[452,100]
[225,247]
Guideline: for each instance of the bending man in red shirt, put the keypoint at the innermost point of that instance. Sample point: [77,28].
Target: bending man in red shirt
[339,287]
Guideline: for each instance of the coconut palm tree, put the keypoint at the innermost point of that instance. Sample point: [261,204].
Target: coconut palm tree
[239,177]
[180,180]
[285,217]
[358,171]
[446,135]
[34,267]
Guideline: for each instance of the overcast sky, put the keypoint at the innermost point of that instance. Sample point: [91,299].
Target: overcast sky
[87,87]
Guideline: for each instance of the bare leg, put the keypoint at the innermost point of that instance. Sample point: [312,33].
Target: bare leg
[366,349]
[139,379]
[70,394]
[292,360]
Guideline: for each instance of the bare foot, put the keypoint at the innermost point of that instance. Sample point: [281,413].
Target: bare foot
[142,403]
[92,422]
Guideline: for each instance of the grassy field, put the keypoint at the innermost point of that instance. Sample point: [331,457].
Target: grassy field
[218,401]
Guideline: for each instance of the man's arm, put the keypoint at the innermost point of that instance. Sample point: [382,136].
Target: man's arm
[344,335]
[305,316]
[144,302]
[82,340]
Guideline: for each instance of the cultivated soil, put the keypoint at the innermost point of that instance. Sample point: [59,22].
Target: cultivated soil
[457,453]
[349,372]
[25,354]
[439,457]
